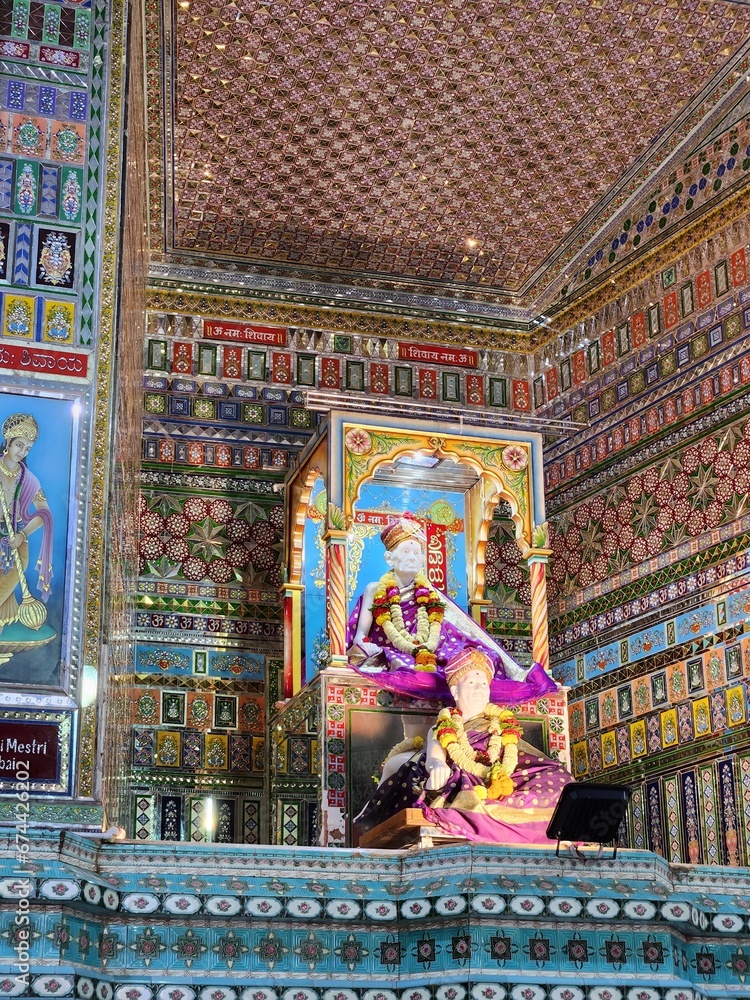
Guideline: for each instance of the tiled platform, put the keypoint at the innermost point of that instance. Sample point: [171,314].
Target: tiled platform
[177,921]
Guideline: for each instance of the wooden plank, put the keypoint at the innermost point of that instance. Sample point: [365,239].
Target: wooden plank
[401,827]
[405,829]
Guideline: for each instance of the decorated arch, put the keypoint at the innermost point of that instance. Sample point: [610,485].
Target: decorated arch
[372,468]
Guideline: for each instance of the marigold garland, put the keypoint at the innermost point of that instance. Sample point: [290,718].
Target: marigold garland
[387,613]
[496,764]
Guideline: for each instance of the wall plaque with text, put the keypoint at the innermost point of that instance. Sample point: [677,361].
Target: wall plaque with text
[244,333]
[461,356]
[35,748]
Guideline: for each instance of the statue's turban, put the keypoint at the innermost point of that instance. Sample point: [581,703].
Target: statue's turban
[406,526]
[466,661]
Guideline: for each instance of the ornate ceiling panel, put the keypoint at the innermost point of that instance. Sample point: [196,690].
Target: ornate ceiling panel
[453,145]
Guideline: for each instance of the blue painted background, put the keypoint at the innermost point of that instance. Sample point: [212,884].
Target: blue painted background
[396,500]
[50,461]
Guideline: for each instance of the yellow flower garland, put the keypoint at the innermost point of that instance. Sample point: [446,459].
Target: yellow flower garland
[501,755]
[387,613]
[411,743]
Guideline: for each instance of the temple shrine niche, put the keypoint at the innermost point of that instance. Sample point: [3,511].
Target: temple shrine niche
[356,476]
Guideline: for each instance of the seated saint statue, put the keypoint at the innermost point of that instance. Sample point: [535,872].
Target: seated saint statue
[474,777]
[402,632]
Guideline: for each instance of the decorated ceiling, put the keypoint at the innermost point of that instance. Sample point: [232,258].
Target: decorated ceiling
[468,148]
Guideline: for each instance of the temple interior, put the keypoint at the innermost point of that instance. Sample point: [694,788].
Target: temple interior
[273,274]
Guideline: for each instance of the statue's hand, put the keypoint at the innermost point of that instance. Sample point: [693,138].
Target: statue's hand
[439,776]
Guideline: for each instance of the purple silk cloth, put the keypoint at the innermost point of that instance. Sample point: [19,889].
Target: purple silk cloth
[22,514]
[521,818]
[400,676]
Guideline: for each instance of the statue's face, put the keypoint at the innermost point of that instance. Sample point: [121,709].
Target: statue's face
[472,693]
[406,558]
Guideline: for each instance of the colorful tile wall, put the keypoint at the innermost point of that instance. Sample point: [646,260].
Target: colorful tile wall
[205,735]
[57,246]
[208,621]
[648,577]
[49,175]
[705,177]
[640,375]
[248,360]
[732,609]
[679,507]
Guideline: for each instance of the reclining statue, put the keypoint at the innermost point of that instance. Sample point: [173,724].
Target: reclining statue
[402,632]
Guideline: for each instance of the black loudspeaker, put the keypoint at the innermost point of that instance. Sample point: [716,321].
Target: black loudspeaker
[589,813]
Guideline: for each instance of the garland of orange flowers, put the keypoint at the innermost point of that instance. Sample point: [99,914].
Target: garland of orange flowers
[387,613]
[496,764]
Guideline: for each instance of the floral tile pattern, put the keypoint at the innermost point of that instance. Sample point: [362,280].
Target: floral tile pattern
[649,512]
[533,919]
[558,930]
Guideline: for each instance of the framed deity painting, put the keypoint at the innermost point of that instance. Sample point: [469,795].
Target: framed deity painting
[39,439]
